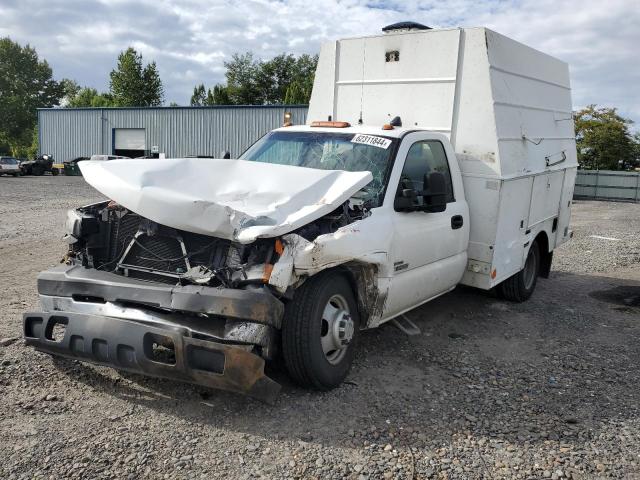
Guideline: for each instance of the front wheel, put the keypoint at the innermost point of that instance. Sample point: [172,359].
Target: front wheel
[319,331]
[519,287]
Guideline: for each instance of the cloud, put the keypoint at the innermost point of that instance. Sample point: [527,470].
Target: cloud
[191,39]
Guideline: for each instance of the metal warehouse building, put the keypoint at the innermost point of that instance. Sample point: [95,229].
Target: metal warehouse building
[67,133]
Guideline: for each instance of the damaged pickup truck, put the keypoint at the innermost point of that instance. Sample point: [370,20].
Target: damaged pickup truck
[200,270]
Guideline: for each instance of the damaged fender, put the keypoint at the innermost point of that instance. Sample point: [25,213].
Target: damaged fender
[358,247]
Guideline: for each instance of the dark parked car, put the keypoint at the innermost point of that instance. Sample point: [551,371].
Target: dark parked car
[38,166]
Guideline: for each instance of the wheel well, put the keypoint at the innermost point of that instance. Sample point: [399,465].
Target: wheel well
[363,280]
[546,256]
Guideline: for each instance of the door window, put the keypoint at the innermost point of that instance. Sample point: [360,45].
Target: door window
[422,159]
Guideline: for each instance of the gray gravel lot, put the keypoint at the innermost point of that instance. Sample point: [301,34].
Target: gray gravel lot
[544,389]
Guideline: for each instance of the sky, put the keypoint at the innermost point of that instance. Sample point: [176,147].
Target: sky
[191,39]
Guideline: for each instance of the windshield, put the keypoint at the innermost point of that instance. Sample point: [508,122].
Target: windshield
[329,151]
[8,161]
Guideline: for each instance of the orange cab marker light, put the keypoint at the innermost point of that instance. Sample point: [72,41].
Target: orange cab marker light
[386,126]
[493,274]
[324,123]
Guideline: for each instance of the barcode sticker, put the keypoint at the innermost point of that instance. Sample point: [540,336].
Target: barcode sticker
[372,140]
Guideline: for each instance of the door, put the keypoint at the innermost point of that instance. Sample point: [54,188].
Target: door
[429,248]
[129,142]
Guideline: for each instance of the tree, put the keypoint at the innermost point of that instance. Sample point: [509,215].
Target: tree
[242,73]
[70,89]
[90,97]
[249,81]
[603,139]
[26,83]
[133,85]
[219,95]
[199,97]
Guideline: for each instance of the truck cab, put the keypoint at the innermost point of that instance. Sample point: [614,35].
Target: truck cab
[417,221]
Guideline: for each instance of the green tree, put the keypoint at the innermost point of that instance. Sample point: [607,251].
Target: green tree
[29,150]
[90,97]
[603,139]
[26,83]
[249,81]
[135,85]
[242,77]
[199,96]
[70,89]
[219,95]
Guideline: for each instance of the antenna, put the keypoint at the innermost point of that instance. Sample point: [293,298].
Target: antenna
[364,59]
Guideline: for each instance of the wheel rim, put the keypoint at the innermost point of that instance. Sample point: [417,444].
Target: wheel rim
[530,267]
[337,329]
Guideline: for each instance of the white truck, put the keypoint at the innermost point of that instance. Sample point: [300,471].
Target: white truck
[431,158]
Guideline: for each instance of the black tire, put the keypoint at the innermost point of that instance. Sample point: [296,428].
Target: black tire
[37,171]
[302,332]
[519,287]
[54,172]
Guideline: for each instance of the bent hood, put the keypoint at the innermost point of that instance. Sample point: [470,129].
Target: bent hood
[234,199]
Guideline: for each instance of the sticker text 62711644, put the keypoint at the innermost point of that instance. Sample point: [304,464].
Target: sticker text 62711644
[371,140]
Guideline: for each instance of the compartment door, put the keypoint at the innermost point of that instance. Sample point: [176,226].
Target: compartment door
[545,198]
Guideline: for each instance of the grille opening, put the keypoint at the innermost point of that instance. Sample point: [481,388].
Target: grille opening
[157,254]
[88,299]
[56,329]
[159,348]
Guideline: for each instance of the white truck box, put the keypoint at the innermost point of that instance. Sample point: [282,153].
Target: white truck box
[506,109]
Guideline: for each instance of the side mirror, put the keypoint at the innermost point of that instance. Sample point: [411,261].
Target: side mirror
[225,154]
[435,192]
[405,200]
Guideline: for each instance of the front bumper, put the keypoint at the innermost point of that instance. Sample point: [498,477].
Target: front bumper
[258,306]
[127,324]
[142,348]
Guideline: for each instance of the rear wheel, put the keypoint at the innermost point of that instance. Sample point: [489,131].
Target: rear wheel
[37,170]
[54,172]
[319,332]
[520,287]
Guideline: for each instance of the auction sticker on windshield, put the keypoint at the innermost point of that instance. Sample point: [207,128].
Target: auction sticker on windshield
[372,140]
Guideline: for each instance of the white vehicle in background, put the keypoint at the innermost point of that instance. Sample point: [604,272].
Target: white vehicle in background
[433,158]
[9,166]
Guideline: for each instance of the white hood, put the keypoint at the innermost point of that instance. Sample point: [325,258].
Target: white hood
[233,199]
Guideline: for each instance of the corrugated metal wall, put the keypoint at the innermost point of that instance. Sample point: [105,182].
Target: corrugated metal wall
[607,185]
[67,133]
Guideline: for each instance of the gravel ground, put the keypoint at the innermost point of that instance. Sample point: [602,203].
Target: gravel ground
[544,389]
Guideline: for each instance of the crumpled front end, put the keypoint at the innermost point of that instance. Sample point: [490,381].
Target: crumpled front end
[155,299]
[214,337]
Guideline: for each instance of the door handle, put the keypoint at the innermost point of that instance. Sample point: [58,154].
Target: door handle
[456,222]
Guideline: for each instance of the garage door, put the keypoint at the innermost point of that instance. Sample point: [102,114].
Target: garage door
[129,139]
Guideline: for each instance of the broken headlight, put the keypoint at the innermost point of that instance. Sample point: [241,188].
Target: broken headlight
[77,225]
